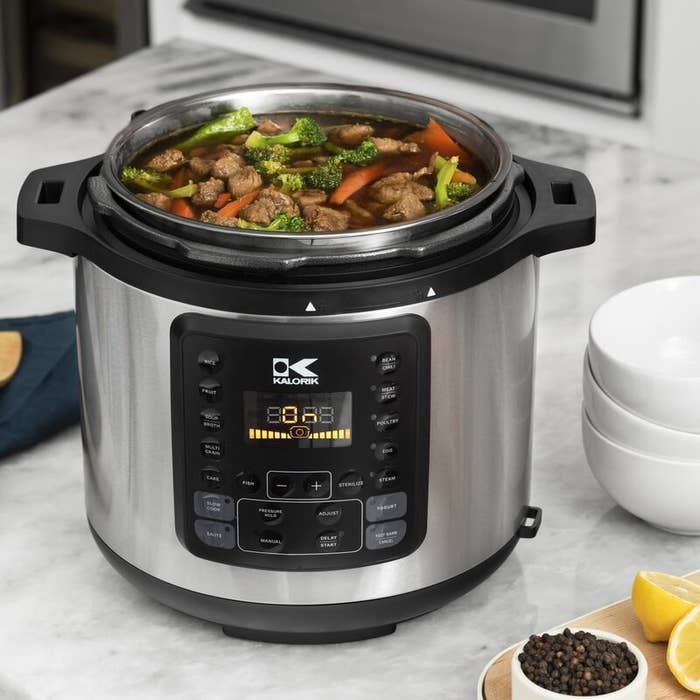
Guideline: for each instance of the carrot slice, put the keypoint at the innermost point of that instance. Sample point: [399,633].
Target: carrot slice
[182,207]
[437,139]
[356,181]
[463,176]
[179,179]
[232,208]
[221,200]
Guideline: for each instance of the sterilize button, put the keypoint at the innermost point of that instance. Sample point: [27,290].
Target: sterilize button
[388,362]
[386,422]
[212,477]
[214,505]
[281,485]
[271,514]
[248,482]
[213,534]
[318,485]
[386,479]
[210,389]
[387,392]
[209,360]
[328,541]
[271,540]
[212,448]
[383,535]
[351,483]
[329,514]
[386,451]
[386,507]
[211,420]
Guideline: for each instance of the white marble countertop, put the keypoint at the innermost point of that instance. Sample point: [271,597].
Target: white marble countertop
[73,628]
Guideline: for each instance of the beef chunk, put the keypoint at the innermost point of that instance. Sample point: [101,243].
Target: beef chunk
[359,215]
[213,217]
[226,165]
[267,205]
[156,199]
[306,197]
[350,135]
[392,146]
[200,167]
[391,188]
[325,219]
[208,192]
[167,160]
[244,180]
[268,128]
[407,207]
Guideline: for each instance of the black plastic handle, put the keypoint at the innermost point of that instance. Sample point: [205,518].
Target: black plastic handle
[532,519]
[49,207]
[564,212]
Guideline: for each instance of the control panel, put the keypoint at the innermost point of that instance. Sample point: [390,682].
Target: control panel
[300,446]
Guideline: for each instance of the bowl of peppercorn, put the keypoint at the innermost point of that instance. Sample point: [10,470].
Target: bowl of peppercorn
[581,663]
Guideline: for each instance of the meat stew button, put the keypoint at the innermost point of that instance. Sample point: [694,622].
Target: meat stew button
[213,534]
[383,535]
[214,505]
[386,506]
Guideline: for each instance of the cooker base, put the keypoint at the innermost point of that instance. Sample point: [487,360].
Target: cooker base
[307,624]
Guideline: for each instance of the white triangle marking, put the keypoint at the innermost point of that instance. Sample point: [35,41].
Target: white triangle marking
[431,293]
[310,307]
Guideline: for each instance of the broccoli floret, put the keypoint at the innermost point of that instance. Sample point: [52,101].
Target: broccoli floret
[269,168]
[221,128]
[289,182]
[282,222]
[304,132]
[145,179]
[457,191]
[276,152]
[365,154]
[325,176]
[445,170]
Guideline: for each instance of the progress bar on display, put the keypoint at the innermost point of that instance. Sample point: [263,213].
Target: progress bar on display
[298,432]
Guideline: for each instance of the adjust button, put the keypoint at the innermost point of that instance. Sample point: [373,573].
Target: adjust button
[318,485]
[388,362]
[280,485]
[387,392]
[209,360]
[386,506]
[248,482]
[351,483]
[212,477]
[386,479]
[271,540]
[211,420]
[210,389]
[386,451]
[214,505]
[328,541]
[383,535]
[213,534]
[329,514]
[211,448]
[386,422]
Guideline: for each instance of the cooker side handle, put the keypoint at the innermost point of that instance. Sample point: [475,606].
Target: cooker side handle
[49,207]
[564,208]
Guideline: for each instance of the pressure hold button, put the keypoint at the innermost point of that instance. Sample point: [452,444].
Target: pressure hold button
[209,360]
[388,362]
[385,422]
[271,514]
[210,389]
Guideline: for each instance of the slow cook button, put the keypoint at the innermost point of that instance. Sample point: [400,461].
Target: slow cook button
[271,540]
[386,479]
[328,541]
[388,362]
[209,360]
[386,422]
[211,420]
[210,389]
[271,514]
[329,514]
[213,534]
[351,483]
[387,392]
[211,448]
[386,507]
[214,505]
[383,535]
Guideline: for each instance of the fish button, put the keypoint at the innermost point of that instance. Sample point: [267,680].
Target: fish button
[384,535]
[213,534]
[386,479]
[214,505]
[271,540]
[329,514]
[209,360]
[211,448]
[248,482]
[318,485]
[386,507]
[210,389]
[328,541]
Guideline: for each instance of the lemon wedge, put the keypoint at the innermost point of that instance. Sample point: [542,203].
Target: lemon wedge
[683,654]
[660,601]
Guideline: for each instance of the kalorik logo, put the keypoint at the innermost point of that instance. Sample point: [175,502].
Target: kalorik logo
[282,370]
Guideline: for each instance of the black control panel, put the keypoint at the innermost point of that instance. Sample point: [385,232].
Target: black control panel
[300,446]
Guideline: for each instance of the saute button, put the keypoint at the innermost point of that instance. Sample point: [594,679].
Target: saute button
[318,485]
[271,514]
[386,451]
[210,389]
[351,483]
[214,505]
[211,448]
[387,392]
[386,479]
[329,514]
[281,485]
[209,360]
[386,507]
[386,422]
[383,535]
[248,482]
[271,540]
[212,477]
[328,541]
[211,420]
[215,534]
[388,362]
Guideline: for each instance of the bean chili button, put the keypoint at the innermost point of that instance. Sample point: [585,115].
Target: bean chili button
[388,362]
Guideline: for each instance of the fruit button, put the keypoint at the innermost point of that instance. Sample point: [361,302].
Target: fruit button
[210,389]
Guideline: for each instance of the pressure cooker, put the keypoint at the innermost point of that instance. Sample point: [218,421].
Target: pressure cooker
[415,340]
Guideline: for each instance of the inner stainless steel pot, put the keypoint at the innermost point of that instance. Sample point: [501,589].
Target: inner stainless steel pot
[348,100]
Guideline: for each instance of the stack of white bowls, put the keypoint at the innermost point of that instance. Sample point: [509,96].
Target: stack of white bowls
[641,402]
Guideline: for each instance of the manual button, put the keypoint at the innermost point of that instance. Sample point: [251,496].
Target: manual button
[271,540]
[213,534]
[386,506]
[383,535]
[214,505]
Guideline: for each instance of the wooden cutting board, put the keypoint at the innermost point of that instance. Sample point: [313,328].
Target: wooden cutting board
[10,355]
[618,619]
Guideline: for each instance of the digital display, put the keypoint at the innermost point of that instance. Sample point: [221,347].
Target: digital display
[303,420]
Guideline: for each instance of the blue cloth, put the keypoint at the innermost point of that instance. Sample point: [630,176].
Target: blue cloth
[44,396]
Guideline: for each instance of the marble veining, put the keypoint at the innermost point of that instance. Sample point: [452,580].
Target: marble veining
[72,628]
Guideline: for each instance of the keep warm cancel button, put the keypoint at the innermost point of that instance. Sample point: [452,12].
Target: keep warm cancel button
[383,535]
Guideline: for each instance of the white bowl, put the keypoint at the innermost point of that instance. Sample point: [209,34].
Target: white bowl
[524,689]
[644,348]
[628,429]
[664,492]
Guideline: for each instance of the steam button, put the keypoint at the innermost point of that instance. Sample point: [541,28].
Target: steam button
[385,422]
[388,362]
[210,389]
[209,360]
[386,479]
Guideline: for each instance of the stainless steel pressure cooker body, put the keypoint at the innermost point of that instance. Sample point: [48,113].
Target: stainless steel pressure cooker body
[307,437]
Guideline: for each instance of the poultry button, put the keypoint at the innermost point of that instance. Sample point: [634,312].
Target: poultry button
[386,422]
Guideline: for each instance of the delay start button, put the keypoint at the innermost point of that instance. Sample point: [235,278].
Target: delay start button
[328,541]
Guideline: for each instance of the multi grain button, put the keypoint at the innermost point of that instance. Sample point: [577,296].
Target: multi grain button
[214,505]
[351,483]
[386,506]
[388,362]
[385,422]
[211,420]
[209,360]
[211,448]
[386,479]
[384,535]
[271,540]
[215,534]
[210,389]
[329,514]
[328,541]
